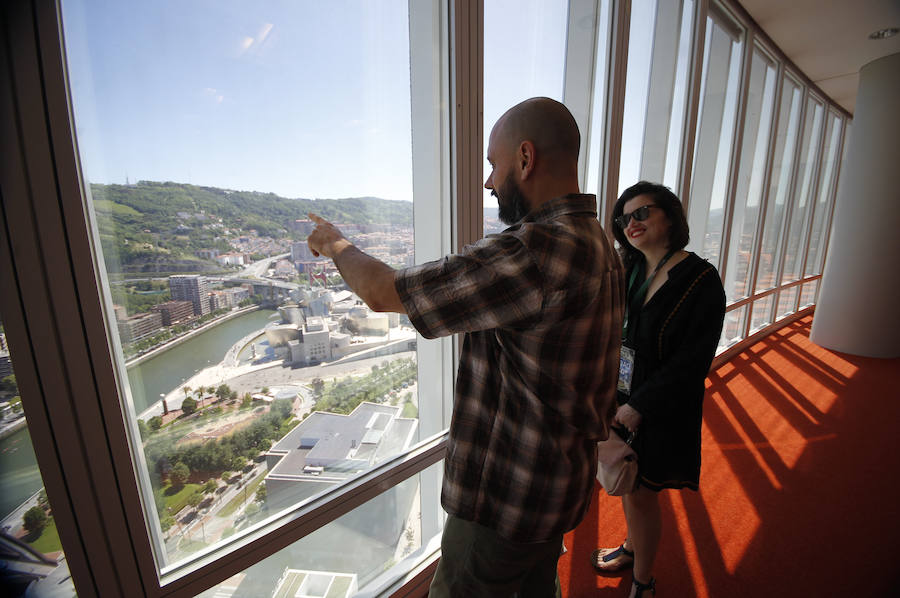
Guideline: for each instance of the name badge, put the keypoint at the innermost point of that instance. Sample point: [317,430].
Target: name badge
[626,369]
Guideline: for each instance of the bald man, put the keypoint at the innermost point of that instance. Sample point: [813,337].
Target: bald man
[541,307]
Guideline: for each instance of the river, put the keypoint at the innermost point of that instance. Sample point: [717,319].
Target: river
[19,475]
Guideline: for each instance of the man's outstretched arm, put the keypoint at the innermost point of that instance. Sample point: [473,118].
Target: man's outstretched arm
[370,278]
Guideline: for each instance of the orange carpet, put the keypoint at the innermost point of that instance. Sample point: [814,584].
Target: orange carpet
[799,491]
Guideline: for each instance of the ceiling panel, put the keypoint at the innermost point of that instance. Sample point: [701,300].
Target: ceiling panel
[828,40]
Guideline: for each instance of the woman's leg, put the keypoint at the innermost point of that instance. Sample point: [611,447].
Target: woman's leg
[642,515]
[614,559]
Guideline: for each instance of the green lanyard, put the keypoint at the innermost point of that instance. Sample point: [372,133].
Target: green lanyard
[642,290]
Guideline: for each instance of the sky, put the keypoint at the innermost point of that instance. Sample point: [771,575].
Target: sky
[299,98]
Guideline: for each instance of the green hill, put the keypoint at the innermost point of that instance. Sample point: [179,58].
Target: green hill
[159,227]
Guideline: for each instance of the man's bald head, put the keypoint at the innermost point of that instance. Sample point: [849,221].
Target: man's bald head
[548,124]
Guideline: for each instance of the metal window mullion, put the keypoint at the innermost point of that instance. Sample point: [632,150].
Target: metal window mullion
[695,76]
[615,108]
[767,180]
[578,78]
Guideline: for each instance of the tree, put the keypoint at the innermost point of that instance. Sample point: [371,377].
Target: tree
[8,384]
[246,401]
[210,486]
[261,493]
[143,429]
[179,474]
[166,521]
[155,422]
[223,391]
[194,499]
[34,519]
[188,406]
[187,391]
[265,390]
[225,475]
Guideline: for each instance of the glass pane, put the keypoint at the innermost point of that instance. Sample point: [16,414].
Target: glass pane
[787,300]
[637,87]
[32,558]
[748,195]
[802,200]
[655,92]
[779,185]
[205,139]
[808,295]
[596,142]
[733,328]
[524,57]
[381,532]
[715,132]
[762,313]
[816,255]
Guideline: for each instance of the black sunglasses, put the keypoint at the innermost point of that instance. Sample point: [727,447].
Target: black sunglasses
[640,214]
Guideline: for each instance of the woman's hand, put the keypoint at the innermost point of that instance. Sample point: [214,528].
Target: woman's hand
[629,417]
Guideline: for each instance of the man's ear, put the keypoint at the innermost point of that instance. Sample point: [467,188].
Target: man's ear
[525,159]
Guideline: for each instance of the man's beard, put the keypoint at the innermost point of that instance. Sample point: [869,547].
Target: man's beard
[510,201]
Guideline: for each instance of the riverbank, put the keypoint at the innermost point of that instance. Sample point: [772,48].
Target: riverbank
[7,428]
[178,340]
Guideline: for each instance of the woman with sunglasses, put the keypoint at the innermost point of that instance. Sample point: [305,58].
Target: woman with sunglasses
[673,320]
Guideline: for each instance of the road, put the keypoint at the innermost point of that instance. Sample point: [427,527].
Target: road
[258,269]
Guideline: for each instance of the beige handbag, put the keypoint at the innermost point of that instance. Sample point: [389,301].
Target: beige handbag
[617,464]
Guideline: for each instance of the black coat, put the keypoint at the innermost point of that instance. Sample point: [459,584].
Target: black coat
[675,336]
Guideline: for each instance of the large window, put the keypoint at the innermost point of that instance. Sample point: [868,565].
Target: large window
[771,248]
[715,132]
[524,57]
[803,191]
[659,47]
[252,380]
[751,177]
[818,237]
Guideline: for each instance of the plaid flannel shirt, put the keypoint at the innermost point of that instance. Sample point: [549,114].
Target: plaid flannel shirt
[541,305]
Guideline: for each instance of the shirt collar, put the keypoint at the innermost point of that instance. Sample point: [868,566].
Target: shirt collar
[574,203]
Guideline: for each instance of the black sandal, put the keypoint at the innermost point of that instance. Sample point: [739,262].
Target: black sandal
[609,556]
[650,585]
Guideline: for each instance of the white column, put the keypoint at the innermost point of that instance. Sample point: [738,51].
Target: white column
[857,311]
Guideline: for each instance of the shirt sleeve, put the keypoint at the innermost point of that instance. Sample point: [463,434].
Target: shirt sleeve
[494,283]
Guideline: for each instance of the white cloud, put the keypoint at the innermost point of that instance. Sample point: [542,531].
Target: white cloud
[264,32]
